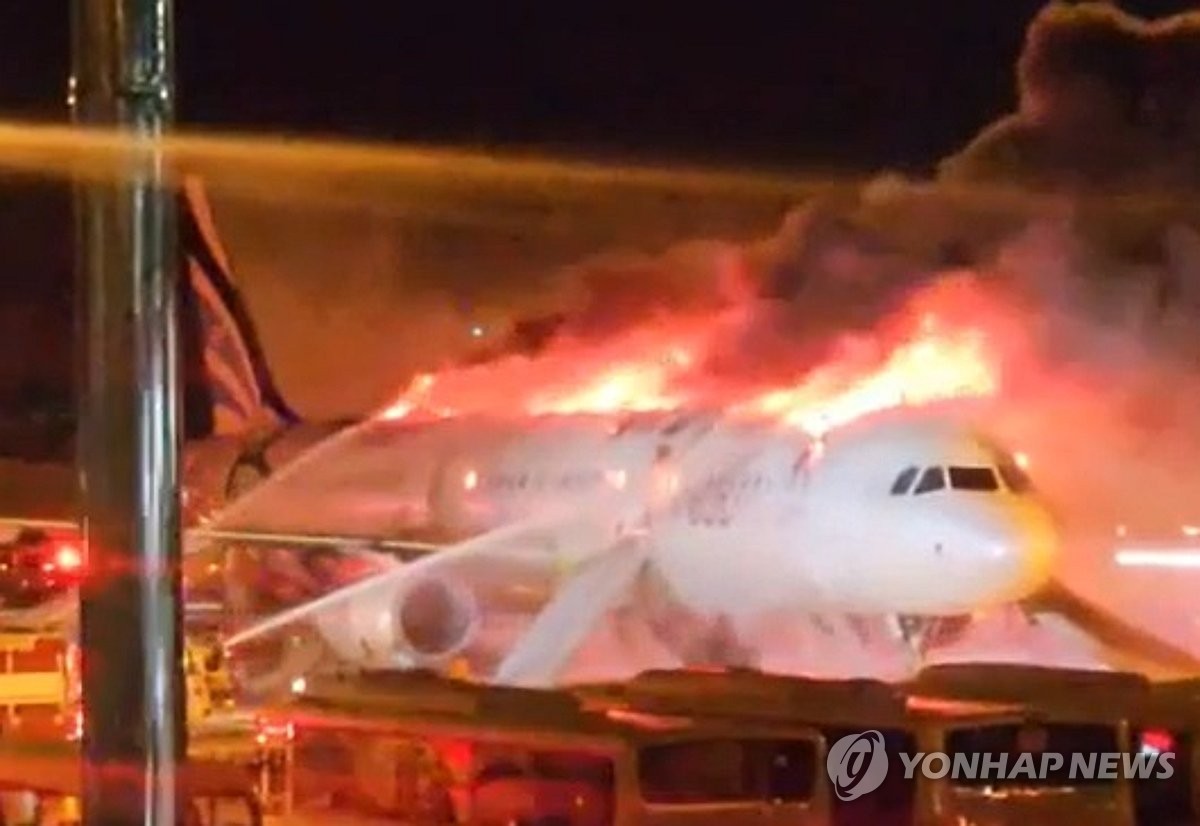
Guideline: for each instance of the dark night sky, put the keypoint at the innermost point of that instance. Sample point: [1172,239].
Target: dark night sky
[815,85]
[823,83]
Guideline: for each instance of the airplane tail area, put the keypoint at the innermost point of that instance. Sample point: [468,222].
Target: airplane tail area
[229,387]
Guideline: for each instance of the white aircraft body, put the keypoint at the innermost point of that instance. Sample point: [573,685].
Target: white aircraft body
[717,538]
[727,521]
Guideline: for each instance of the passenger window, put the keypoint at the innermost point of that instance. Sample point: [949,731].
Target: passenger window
[973,478]
[932,479]
[904,481]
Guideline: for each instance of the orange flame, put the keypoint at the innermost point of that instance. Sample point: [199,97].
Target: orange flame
[639,372]
[634,387]
[417,390]
[661,367]
[933,367]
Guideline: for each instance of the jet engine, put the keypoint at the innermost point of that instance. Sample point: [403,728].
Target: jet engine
[423,624]
[434,619]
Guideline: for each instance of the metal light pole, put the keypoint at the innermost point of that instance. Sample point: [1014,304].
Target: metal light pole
[131,621]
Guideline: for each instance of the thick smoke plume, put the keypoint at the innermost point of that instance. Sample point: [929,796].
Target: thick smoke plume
[1105,100]
[1064,237]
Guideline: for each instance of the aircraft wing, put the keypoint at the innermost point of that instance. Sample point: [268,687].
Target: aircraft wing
[14,524]
[533,547]
[1057,627]
[1123,644]
[596,588]
[198,539]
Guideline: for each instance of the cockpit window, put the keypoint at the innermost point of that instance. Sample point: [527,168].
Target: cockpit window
[1014,478]
[904,481]
[932,479]
[973,478]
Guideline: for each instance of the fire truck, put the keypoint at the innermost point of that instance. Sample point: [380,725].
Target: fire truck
[37,565]
[39,668]
[419,748]
[44,784]
[40,683]
[40,678]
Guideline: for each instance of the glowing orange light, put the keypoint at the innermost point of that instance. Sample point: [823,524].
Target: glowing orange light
[638,371]
[420,387]
[68,558]
[1022,460]
[655,722]
[270,730]
[925,370]
[470,480]
[633,388]
[1135,558]
[919,356]
[75,732]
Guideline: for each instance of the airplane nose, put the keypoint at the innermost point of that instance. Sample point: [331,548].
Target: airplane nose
[1037,544]
[1008,550]
[1019,543]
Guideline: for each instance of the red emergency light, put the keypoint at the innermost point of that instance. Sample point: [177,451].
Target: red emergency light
[68,557]
[274,731]
[1157,741]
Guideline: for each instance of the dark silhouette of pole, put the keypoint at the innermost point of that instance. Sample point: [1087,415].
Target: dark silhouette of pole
[134,738]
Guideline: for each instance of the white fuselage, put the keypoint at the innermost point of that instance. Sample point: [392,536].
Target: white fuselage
[743,517]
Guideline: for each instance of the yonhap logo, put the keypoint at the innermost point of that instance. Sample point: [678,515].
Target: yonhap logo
[857,764]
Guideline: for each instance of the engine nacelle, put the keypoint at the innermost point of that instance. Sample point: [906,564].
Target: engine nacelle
[434,619]
[425,623]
